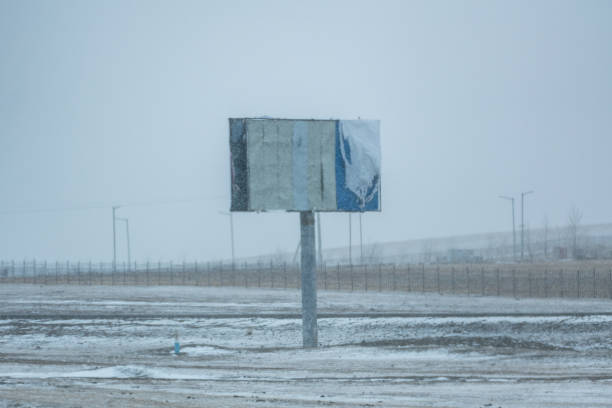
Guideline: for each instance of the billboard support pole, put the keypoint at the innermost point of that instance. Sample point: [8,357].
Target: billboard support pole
[114,239]
[309,280]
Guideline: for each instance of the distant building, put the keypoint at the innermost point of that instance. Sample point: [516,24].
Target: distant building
[456,255]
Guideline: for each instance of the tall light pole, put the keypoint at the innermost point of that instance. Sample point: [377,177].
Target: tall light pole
[523,221]
[513,227]
[127,234]
[114,239]
[319,239]
[350,240]
[231,217]
[360,240]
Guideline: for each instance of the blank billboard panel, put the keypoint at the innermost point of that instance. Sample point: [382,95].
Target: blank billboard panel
[304,165]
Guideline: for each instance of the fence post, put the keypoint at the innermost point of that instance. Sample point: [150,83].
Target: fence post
[170,271]
[192,276]
[285,273]
[529,279]
[423,278]
[159,273]
[408,279]
[324,275]
[90,272]
[56,272]
[23,271]
[259,274]
[13,270]
[498,288]
[482,283]
[453,280]
[147,273]
[45,271]
[35,278]
[113,273]
[394,281]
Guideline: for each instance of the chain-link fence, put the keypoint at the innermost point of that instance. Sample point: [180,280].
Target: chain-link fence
[519,280]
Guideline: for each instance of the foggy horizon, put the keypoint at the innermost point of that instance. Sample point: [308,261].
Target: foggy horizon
[127,103]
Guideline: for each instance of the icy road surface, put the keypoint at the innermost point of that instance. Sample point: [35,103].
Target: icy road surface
[69,346]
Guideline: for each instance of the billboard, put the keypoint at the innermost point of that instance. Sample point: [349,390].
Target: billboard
[305,165]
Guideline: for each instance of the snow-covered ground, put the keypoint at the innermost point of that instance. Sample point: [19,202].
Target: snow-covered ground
[68,346]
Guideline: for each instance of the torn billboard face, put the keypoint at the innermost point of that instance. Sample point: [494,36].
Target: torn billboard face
[305,165]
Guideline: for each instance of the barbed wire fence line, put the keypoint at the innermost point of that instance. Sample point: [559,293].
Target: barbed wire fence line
[517,280]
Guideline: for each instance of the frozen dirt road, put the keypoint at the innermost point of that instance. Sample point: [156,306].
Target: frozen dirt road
[69,346]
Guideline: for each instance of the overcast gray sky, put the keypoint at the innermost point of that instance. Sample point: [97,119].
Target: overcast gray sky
[126,102]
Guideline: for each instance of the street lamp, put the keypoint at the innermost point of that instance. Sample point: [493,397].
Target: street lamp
[115,207]
[513,226]
[231,217]
[360,240]
[350,240]
[523,220]
[320,246]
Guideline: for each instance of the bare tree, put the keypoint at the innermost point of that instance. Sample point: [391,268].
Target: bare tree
[573,221]
[279,257]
